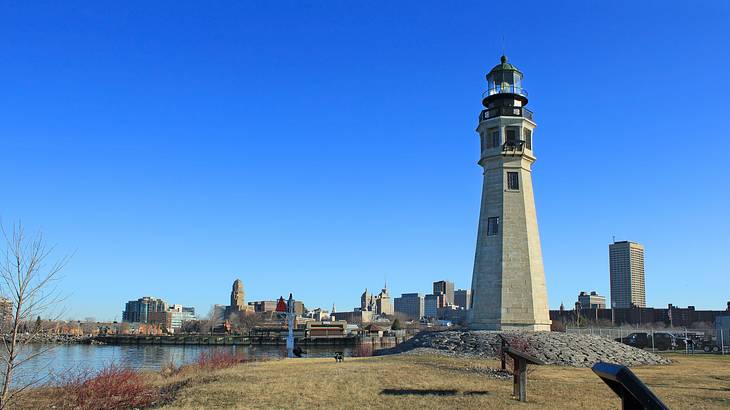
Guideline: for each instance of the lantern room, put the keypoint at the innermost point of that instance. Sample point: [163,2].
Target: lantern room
[504,80]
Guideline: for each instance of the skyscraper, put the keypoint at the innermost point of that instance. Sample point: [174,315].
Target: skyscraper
[137,311]
[462,298]
[626,261]
[432,303]
[508,284]
[444,287]
[367,302]
[410,305]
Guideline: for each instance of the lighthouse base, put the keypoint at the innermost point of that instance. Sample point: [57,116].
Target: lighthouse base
[530,327]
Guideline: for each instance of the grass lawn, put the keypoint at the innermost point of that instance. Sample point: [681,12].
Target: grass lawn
[432,382]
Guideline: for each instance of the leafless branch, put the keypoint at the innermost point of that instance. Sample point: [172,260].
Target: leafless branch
[29,279]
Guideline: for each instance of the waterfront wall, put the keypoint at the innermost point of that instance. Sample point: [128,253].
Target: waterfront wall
[224,339]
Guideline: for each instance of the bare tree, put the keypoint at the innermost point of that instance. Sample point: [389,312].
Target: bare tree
[243,322]
[27,277]
[215,317]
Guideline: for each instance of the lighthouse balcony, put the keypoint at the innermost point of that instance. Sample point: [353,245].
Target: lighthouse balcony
[505,111]
[505,89]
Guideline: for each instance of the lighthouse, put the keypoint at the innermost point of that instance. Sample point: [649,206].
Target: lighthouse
[508,283]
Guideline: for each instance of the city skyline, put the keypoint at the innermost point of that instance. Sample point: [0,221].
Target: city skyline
[317,150]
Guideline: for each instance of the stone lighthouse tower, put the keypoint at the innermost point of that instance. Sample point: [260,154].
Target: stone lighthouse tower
[508,284]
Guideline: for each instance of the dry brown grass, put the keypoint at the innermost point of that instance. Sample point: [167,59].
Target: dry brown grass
[697,382]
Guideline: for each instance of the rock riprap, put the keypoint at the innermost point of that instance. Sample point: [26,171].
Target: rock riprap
[555,348]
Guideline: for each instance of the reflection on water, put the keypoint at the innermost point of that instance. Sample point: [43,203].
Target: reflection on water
[64,358]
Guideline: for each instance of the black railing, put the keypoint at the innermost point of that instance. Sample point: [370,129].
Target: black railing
[513,146]
[505,111]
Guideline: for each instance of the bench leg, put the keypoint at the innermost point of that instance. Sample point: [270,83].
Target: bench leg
[523,381]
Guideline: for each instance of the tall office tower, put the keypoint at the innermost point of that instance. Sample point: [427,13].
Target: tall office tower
[366,300]
[410,305]
[462,298]
[508,284]
[432,304]
[137,311]
[626,261]
[444,287]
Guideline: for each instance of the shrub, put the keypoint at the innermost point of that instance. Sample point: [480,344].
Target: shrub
[113,387]
[169,368]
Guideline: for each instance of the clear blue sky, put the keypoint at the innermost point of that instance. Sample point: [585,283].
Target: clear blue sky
[320,147]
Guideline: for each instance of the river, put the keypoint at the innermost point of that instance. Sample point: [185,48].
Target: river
[63,359]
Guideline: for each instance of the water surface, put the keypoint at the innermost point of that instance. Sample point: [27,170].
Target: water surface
[63,359]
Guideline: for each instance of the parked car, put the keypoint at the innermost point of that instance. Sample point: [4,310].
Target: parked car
[642,340]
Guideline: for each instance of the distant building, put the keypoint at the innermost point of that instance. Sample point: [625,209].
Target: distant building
[299,308]
[238,296]
[673,316]
[238,304]
[137,311]
[592,300]
[444,287]
[319,314]
[380,304]
[180,315]
[627,274]
[409,305]
[6,312]
[462,298]
[263,306]
[326,329]
[432,303]
[452,313]
[384,303]
[367,301]
[356,316]
[172,319]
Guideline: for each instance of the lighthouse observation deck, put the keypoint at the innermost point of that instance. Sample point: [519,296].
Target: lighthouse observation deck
[505,111]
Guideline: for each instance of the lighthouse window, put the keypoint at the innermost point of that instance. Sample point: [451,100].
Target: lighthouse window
[511,133]
[513,181]
[528,138]
[493,138]
[492,226]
